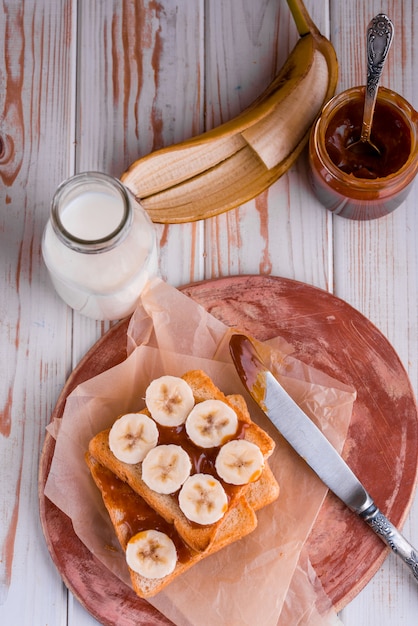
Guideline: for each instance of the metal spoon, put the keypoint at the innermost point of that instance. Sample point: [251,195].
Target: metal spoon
[379,39]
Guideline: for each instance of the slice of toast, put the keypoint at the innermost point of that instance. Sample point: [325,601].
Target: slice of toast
[204,389]
[129,514]
[260,493]
[263,491]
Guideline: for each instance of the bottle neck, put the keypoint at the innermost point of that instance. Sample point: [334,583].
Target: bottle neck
[91,212]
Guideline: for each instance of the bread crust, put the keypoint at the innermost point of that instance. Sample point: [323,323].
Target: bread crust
[129,513]
[193,540]
[198,537]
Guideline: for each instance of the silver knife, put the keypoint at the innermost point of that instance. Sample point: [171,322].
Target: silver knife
[313,447]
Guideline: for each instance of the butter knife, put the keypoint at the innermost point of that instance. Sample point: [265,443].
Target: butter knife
[309,442]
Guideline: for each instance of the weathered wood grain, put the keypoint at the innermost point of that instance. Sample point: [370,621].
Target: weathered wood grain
[96,84]
[36,138]
[376,270]
[281,229]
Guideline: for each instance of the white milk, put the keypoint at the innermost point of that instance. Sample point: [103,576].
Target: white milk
[92,215]
[105,284]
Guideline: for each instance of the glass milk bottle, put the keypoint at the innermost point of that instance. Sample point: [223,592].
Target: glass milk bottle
[99,246]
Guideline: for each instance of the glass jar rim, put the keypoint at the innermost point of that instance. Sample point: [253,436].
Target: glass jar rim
[388,96]
[91,246]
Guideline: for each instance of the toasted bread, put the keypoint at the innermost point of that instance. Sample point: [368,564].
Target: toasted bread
[258,494]
[264,491]
[129,514]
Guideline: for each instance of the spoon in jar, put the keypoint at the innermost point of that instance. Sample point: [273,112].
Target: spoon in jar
[379,39]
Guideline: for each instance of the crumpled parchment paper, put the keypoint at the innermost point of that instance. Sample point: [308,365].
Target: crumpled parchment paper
[265,578]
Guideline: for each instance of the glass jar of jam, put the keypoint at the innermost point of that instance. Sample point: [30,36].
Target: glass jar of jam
[355,182]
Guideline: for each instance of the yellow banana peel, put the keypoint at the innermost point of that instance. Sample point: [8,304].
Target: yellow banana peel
[234,162]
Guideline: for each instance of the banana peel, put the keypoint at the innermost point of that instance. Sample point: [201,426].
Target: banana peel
[234,162]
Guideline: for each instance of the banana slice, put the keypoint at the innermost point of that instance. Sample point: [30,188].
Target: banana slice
[169,399]
[165,468]
[132,436]
[239,462]
[210,423]
[151,553]
[203,499]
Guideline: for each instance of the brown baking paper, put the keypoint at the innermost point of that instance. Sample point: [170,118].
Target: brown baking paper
[266,577]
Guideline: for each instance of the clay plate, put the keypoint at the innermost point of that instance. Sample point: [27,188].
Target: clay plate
[381,446]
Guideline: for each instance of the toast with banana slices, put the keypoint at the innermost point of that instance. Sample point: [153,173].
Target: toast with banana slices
[193,454]
[132,516]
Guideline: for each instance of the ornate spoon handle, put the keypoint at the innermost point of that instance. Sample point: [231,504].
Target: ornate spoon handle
[392,537]
[379,39]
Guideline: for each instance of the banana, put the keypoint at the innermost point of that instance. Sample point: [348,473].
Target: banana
[239,462]
[210,423]
[203,499]
[165,468]
[132,436]
[234,162]
[169,399]
[151,553]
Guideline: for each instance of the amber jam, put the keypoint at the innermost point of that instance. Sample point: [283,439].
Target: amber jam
[351,181]
[202,459]
[137,515]
[390,134]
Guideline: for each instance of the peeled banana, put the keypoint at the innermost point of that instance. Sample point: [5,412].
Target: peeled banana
[231,164]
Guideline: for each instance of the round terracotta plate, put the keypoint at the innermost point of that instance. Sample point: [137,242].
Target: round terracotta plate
[381,446]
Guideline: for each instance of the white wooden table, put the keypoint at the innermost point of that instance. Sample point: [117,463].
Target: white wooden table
[92,85]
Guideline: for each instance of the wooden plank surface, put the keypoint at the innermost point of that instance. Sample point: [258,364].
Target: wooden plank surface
[376,270]
[95,85]
[36,129]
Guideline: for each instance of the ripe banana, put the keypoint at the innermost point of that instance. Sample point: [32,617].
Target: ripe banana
[239,462]
[169,399]
[231,164]
[210,423]
[132,436]
[203,499]
[165,468]
[151,554]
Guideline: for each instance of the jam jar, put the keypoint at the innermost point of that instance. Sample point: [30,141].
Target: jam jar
[356,182]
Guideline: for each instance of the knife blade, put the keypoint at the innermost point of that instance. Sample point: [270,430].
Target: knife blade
[310,443]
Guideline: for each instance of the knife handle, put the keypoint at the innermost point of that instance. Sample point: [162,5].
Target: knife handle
[392,537]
